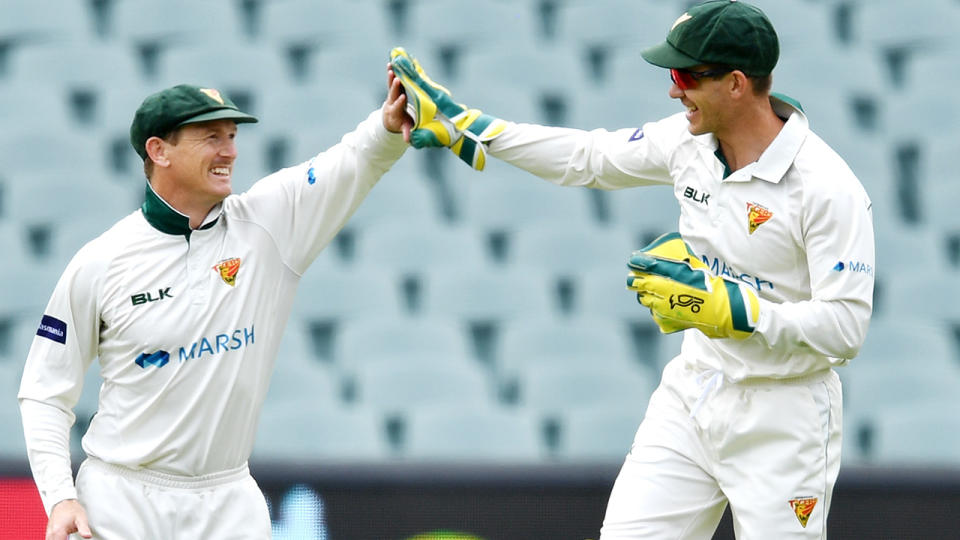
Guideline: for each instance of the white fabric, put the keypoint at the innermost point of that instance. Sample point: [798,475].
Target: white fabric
[757,444]
[755,422]
[123,504]
[196,414]
[812,315]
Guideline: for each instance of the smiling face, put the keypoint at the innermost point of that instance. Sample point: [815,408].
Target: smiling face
[706,101]
[201,160]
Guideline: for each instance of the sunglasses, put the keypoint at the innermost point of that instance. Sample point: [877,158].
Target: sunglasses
[687,80]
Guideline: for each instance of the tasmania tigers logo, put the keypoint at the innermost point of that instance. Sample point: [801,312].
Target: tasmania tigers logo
[757,216]
[228,269]
[803,507]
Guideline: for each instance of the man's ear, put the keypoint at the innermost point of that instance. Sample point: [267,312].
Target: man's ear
[739,83]
[157,151]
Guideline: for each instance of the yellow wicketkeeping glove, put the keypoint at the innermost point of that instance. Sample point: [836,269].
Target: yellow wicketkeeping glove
[440,121]
[682,293]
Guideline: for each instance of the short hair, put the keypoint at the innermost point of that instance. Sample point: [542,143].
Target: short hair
[172,137]
[761,83]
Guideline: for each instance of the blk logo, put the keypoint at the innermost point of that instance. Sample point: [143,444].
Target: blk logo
[146,297]
[686,300]
[159,359]
[696,196]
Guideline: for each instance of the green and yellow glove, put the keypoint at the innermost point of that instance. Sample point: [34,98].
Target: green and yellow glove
[440,121]
[682,293]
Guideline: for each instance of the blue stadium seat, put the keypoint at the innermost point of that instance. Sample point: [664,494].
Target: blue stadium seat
[487,71]
[458,433]
[13,238]
[601,291]
[486,293]
[627,103]
[506,198]
[305,382]
[330,23]
[939,185]
[598,433]
[552,392]
[800,24]
[565,343]
[483,25]
[164,24]
[29,286]
[334,293]
[18,108]
[293,433]
[375,337]
[76,65]
[627,72]
[927,433]
[398,388]
[51,198]
[560,251]
[413,248]
[30,21]
[916,116]
[398,198]
[230,67]
[646,210]
[614,24]
[914,29]
[311,119]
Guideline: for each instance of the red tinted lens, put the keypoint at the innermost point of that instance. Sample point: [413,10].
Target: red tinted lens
[682,79]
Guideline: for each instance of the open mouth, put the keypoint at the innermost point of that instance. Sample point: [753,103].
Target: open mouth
[223,172]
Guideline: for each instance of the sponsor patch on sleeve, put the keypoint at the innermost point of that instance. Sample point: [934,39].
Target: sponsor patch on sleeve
[53,328]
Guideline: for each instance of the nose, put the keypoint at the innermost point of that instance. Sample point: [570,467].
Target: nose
[675,91]
[229,149]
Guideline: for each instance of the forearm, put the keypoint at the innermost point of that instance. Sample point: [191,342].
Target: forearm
[47,432]
[833,328]
[571,157]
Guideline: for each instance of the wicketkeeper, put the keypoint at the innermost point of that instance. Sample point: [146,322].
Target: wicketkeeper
[749,412]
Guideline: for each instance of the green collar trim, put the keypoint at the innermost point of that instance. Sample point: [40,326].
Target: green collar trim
[165,218]
[723,159]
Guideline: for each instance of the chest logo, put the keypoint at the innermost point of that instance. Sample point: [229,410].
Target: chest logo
[696,196]
[757,216]
[158,359]
[228,269]
[143,298]
[803,507]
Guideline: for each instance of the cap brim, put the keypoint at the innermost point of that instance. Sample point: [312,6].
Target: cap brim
[666,55]
[221,114]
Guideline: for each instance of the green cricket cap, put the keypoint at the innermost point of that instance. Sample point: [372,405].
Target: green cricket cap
[727,32]
[168,109]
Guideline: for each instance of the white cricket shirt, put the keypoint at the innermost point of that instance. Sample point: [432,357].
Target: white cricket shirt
[186,324]
[796,225]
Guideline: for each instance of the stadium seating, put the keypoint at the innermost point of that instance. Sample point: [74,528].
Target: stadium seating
[484,293]
[473,434]
[452,291]
[400,385]
[598,433]
[928,433]
[293,432]
[416,247]
[552,392]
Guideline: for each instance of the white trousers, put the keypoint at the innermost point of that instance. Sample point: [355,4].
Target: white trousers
[769,448]
[127,504]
